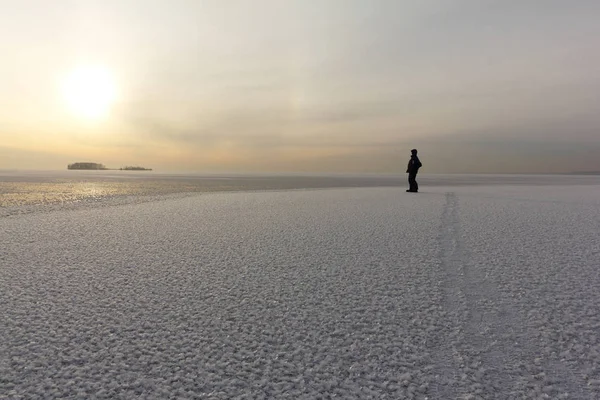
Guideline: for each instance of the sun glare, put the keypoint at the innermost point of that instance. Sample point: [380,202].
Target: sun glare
[89,91]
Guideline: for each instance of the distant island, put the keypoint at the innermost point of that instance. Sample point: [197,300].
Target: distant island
[134,169]
[98,166]
[86,165]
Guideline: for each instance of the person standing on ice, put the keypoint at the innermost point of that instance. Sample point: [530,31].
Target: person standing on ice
[413,167]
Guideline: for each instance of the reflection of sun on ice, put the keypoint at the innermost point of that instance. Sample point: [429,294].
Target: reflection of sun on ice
[89,91]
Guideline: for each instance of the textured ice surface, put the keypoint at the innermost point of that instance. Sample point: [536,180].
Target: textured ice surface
[373,293]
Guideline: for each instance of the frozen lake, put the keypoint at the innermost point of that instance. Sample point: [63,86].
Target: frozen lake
[477,291]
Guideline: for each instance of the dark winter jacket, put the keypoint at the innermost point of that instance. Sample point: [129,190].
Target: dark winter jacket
[413,165]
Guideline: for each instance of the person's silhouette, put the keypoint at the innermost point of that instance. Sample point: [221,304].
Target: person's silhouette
[413,167]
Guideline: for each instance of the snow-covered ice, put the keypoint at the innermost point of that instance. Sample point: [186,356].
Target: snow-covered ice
[483,292]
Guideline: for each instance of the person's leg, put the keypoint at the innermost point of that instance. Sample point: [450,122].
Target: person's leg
[411,182]
[416,183]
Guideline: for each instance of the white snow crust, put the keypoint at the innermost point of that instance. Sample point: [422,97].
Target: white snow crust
[364,293]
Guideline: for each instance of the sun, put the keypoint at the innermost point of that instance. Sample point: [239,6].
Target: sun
[89,91]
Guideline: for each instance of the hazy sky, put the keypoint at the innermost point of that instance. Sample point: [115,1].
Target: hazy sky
[302,85]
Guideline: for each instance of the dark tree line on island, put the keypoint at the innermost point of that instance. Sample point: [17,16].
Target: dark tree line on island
[129,168]
[98,166]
